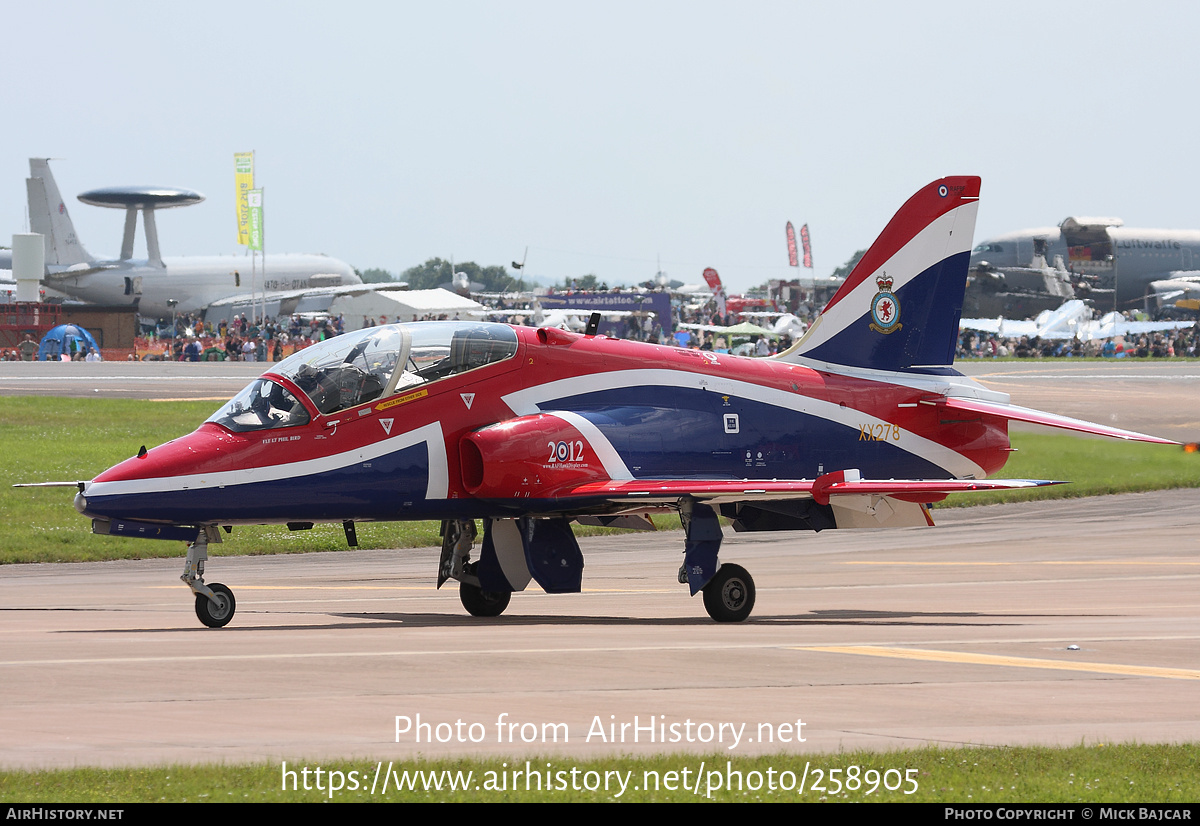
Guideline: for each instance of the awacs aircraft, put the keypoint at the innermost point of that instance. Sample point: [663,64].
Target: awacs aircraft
[1116,257]
[861,424]
[293,283]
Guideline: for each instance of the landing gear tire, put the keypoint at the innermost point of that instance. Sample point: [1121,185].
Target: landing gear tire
[729,595]
[481,603]
[216,615]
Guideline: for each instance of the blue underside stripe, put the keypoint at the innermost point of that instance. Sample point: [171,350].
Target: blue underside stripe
[680,433]
[383,488]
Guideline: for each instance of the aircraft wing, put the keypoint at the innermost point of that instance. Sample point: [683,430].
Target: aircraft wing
[1065,326]
[54,272]
[823,489]
[1024,414]
[1113,325]
[315,299]
[278,295]
[842,499]
[1000,326]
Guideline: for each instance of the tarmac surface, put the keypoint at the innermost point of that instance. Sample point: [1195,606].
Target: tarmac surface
[1051,623]
[1125,394]
[128,379]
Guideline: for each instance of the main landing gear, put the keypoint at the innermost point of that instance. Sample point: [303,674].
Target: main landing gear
[516,545]
[728,589]
[458,536]
[481,603]
[729,596]
[214,603]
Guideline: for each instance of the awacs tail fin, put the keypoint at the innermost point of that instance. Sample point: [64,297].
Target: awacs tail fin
[48,215]
[900,307]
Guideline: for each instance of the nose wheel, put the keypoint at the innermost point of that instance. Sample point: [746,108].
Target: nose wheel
[729,595]
[216,612]
[214,603]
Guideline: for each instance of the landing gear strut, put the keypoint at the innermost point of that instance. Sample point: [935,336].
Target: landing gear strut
[458,537]
[728,589]
[214,603]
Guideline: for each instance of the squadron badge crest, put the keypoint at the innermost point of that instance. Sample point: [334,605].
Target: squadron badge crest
[885,307]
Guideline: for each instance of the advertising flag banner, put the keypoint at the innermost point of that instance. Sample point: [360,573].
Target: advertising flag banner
[243,172]
[807,246]
[714,282]
[791,236]
[254,199]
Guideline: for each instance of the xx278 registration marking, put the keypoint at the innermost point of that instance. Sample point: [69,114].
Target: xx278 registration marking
[882,432]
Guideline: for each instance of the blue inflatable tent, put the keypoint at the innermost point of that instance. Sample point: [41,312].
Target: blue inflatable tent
[65,338]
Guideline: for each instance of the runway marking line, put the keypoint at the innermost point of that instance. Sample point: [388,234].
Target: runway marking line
[1052,376]
[905,653]
[1009,661]
[1137,562]
[429,588]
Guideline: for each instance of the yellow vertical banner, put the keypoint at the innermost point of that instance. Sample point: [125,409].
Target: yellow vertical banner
[243,165]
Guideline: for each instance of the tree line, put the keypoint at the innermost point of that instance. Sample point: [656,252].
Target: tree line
[437,272]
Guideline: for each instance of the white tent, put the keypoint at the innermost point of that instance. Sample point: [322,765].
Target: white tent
[402,306]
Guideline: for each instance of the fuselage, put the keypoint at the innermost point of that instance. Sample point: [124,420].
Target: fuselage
[1124,259]
[195,282]
[464,420]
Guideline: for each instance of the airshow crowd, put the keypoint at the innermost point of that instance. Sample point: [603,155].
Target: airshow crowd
[1184,343]
[190,338]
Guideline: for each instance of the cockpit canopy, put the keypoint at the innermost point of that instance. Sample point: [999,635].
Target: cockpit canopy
[360,367]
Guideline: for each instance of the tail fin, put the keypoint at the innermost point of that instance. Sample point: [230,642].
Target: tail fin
[48,215]
[900,307]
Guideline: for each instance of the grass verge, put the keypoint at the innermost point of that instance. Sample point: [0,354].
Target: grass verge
[1083,774]
[49,439]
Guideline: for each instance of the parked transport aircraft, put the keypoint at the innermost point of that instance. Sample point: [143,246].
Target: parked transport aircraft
[1111,255]
[162,285]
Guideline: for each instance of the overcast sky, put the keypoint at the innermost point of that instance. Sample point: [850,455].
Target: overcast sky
[607,136]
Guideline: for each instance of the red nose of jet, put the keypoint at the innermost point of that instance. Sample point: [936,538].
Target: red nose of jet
[137,487]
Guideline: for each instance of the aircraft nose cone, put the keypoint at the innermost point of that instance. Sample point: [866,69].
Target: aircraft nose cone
[144,486]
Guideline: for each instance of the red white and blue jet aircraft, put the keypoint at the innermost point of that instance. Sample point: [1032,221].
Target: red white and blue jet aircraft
[862,424]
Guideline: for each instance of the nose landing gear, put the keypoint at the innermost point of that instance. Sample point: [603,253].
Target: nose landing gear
[214,603]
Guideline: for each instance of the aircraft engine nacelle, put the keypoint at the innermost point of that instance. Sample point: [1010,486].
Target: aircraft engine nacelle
[534,457]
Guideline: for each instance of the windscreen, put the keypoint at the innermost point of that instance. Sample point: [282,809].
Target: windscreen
[360,367]
[263,405]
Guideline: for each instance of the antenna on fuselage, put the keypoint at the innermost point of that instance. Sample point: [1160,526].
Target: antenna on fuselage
[593,325]
[145,199]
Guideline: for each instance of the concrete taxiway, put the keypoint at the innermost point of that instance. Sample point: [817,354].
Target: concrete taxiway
[1150,396]
[127,380]
[877,639]
[1056,622]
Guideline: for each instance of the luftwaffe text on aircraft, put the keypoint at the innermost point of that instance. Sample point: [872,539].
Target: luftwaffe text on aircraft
[1101,253]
